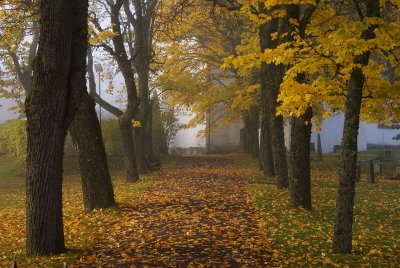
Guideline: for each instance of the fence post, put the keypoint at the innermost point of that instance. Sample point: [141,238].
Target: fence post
[358,175]
[319,148]
[371,172]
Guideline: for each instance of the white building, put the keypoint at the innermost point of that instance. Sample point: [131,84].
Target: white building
[227,138]
[369,134]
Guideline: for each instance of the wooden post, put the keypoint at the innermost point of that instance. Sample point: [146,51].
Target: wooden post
[319,148]
[358,176]
[371,172]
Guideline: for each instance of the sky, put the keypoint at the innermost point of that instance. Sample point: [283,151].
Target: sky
[4,114]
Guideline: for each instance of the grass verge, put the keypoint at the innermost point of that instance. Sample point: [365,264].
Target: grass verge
[301,238]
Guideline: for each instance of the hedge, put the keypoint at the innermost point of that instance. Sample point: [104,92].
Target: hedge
[13,139]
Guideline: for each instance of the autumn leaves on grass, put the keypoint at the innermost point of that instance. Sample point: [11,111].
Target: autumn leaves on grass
[189,218]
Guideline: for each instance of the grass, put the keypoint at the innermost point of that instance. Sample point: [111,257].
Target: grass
[301,238]
[81,229]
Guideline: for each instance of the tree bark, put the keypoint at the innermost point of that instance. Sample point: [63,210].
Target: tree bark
[83,137]
[300,184]
[138,133]
[142,23]
[343,229]
[59,69]
[86,136]
[131,171]
[269,73]
[319,148]
[251,124]
[271,78]
[125,120]
[266,159]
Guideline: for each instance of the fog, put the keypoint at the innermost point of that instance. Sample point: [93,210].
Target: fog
[188,137]
[4,113]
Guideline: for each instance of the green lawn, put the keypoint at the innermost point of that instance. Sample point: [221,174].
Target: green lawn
[303,238]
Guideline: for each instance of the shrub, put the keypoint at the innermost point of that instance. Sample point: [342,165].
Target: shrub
[111,136]
[13,139]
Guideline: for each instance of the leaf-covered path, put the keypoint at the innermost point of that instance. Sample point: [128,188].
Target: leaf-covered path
[198,215]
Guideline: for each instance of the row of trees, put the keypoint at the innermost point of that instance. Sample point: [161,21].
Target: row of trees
[45,47]
[301,59]
[304,60]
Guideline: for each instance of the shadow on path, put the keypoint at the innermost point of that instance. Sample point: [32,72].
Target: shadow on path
[196,215]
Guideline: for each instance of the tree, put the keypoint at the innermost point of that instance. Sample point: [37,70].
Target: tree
[342,235]
[143,21]
[271,78]
[268,16]
[251,125]
[58,79]
[194,50]
[300,127]
[87,140]
[165,125]
[343,76]
[114,45]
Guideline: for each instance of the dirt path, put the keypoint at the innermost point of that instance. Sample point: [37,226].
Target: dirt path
[193,216]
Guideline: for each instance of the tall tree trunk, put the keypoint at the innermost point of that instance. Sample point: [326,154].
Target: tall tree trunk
[271,78]
[138,133]
[342,235]
[125,120]
[88,142]
[131,171]
[143,23]
[319,148]
[146,113]
[278,144]
[125,124]
[300,184]
[143,135]
[266,159]
[59,70]
[251,124]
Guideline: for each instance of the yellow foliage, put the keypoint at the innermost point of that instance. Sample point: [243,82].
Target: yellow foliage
[325,54]
[101,37]
[136,123]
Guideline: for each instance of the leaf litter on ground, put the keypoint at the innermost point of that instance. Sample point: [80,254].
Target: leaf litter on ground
[198,215]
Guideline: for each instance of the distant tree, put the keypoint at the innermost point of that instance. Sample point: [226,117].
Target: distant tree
[251,125]
[270,19]
[112,40]
[57,86]
[160,144]
[165,125]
